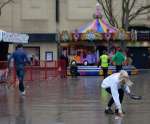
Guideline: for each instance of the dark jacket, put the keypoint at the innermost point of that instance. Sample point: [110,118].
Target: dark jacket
[20,58]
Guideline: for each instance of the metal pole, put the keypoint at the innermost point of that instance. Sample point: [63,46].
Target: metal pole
[57,28]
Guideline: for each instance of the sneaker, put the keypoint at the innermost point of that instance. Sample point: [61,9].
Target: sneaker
[23,93]
[109,111]
[120,115]
[116,112]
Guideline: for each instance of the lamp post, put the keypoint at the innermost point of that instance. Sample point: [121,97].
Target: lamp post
[122,39]
[107,36]
[57,5]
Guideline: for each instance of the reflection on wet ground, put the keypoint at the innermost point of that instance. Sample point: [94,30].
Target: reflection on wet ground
[72,101]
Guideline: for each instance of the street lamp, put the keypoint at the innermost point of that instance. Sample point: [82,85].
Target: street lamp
[122,39]
[107,36]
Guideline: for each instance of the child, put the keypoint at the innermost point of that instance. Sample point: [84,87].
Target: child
[73,69]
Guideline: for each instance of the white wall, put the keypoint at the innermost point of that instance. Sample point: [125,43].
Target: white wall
[31,16]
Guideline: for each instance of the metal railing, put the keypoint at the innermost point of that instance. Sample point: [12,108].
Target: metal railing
[43,70]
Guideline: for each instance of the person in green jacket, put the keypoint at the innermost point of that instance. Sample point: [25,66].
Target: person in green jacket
[104,62]
[118,59]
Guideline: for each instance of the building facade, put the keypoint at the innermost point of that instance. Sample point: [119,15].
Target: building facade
[39,16]
[32,17]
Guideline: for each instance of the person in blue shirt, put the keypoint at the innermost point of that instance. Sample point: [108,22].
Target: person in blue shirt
[20,60]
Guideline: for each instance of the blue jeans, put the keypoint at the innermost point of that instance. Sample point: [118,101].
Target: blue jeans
[20,75]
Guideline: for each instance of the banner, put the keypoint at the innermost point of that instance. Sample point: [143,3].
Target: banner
[15,37]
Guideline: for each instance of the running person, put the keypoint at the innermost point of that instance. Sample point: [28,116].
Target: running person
[20,60]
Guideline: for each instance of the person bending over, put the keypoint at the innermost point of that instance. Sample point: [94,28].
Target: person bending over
[116,84]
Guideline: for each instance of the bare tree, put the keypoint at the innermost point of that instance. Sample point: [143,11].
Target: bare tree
[129,12]
[3,4]
[108,11]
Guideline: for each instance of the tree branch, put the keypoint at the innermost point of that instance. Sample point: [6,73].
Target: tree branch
[143,13]
[107,9]
[123,12]
[127,12]
[4,4]
[132,5]
[140,11]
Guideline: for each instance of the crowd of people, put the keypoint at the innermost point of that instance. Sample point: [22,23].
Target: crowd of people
[116,57]
[88,57]
[116,84]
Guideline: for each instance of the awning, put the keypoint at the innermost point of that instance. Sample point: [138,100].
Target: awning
[43,37]
[97,25]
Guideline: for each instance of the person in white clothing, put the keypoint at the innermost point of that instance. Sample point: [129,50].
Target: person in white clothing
[116,84]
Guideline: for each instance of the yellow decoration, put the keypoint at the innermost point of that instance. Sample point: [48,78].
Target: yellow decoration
[110,72]
[101,72]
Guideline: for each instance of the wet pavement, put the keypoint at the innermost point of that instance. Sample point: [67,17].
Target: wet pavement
[72,101]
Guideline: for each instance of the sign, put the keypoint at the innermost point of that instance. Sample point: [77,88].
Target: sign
[0,36]
[48,56]
[15,37]
[143,35]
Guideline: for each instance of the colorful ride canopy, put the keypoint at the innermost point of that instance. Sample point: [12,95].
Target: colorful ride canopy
[97,25]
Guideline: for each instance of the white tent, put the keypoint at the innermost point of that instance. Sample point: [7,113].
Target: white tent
[13,37]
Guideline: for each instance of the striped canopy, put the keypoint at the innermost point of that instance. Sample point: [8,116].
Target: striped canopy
[97,25]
